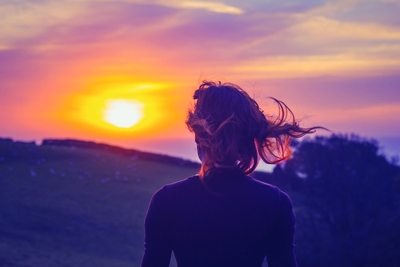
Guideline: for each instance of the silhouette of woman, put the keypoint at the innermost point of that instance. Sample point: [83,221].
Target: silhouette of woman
[223,217]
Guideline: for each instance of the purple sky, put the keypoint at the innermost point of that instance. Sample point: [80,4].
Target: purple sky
[334,63]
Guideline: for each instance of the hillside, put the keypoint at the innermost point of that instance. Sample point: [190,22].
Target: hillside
[77,204]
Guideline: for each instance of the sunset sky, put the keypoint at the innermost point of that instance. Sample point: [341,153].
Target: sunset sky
[65,63]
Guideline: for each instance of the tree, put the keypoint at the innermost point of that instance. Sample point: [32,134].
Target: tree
[350,186]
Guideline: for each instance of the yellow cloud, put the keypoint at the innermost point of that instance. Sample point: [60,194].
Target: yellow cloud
[211,6]
[333,7]
[308,66]
[330,47]
[322,29]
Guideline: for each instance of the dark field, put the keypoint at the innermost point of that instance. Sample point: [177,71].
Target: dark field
[75,204]
[67,206]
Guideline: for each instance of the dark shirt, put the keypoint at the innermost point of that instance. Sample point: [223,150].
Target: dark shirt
[233,221]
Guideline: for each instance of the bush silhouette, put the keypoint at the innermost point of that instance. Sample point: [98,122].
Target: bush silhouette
[353,191]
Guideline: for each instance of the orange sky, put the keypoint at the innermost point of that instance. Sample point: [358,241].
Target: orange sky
[335,63]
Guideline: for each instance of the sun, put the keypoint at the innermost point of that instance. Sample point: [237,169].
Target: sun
[123,113]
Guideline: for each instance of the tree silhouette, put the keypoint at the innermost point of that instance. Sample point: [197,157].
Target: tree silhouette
[351,188]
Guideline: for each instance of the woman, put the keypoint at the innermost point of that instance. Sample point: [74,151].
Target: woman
[222,216]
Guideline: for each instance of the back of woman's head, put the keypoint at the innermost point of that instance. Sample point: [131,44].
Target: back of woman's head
[232,132]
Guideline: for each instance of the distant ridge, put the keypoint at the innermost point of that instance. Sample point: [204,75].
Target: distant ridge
[119,150]
[115,149]
[261,175]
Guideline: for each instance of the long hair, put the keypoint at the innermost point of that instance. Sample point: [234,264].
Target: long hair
[232,132]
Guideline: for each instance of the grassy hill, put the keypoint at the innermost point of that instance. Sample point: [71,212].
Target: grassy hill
[77,206]
[73,203]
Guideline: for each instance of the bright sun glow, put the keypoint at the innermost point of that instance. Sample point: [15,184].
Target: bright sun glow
[123,113]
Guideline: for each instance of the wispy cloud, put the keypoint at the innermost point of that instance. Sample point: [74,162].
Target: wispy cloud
[318,30]
[210,6]
[314,66]
[26,19]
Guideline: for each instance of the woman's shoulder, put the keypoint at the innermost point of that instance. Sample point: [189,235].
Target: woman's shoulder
[248,187]
[187,182]
[185,185]
[269,191]
[263,186]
